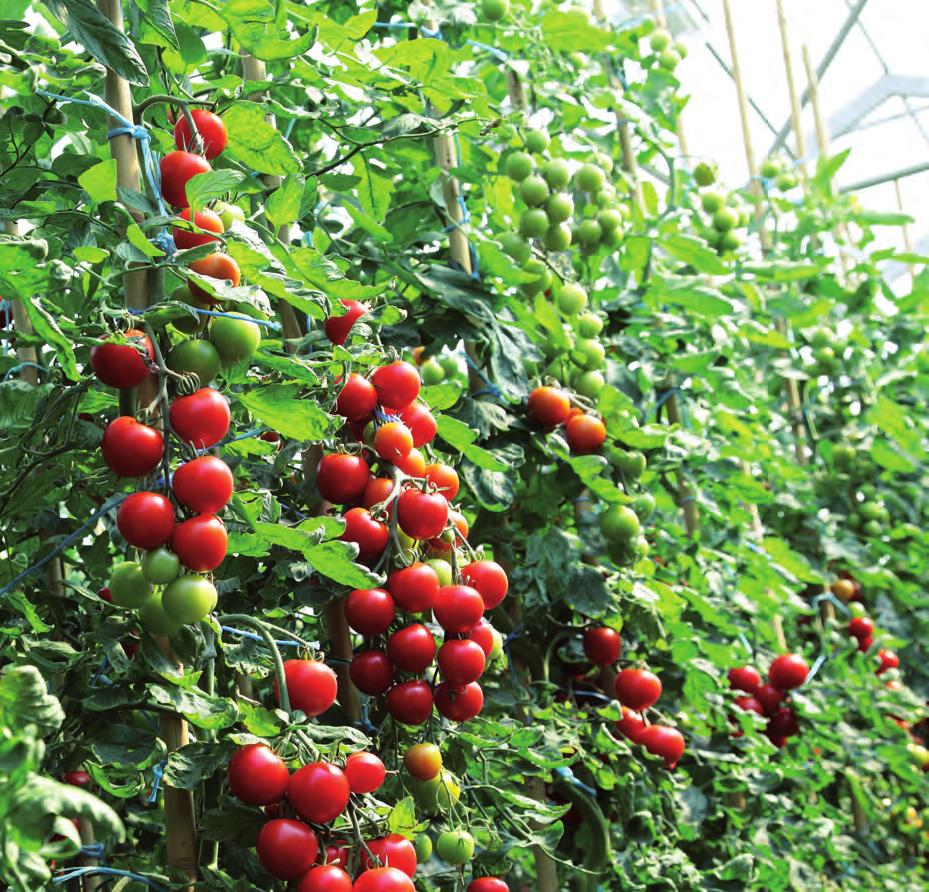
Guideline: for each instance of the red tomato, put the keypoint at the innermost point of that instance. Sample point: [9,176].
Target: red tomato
[769,697]
[122,365]
[631,725]
[326,878]
[365,772]
[369,611]
[338,853]
[549,406]
[421,423]
[311,686]
[637,688]
[176,169]
[341,478]
[395,850]
[201,418]
[444,478]
[145,519]
[461,661]
[860,627]
[423,761]
[384,879]
[457,607]
[422,515]
[338,327]
[459,704]
[393,441]
[397,384]
[257,775]
[412,648]
[745,678]
[461,525]
[585,434]
[203,485]
[367,533]
[131,449]
[783,723]
[318,792]
[489,578]
[371,672]
[106,594]
[215,266]
[410,702]
[205,219]
[286,848]
[864,644]
[662,741]
[788,671]
[889,660]
[77,778]
[602,645]
[414,588]
[488,884]
[413,463]
[357,398]
[201,542]
[749,704]
[210,127]
[483,633]
[377,490]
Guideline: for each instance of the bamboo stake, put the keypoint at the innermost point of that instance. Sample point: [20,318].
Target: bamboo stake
[180,828]
[822,138]
[658,11]
[447,158]
[907,240]
[792,90]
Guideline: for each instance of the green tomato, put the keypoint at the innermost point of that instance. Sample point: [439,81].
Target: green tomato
[589,232]
[644,504]
[516,246]
[533,223]
[572,298]
[770,168]
[189,324]
[669,60]
[872,528]
[160,566]
[557,173]
[195,355]
[725,219]
[680,48]
[659,40]
[603,161]
[705,174]
[229,214]
[642,548]
[589,353]
[557,237]
[153,617]
[542,283]
[452,365]
[494,10]
[589,179]
[455,847]
[537,141]
[621,552]
[235,339]
[423,846]
[443,569]
[729,241]
[431,372]
[919,753]
[559,207]
[589,325]
[786,181]
[632,463]
[496,651]
[189,598]
[590,383]
[605,197]
[519,165]
[610,219]
[534,190]
[128,585]
[871,510]
[711,202]
[438,794]
[620,523]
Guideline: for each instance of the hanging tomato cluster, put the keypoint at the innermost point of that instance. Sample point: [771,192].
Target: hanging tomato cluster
[787,672]
[638,690]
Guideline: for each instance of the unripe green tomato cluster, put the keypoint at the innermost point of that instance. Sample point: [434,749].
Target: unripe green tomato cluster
[870,516]
[776,170]
[666,52]
[439,369]
[622,530]
[726,215]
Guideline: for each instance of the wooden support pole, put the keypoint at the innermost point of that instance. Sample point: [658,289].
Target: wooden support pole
[795,118]
[180,827]
[446,155]
[822,137]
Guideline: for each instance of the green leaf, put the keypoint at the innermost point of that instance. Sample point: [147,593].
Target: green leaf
[281,409]
[374,189]
[402,818]
[335,559]
[695,253]
[210,186]
[137,238]
[24,700]
[459,436]
[256,143]
[194,763]
[572,30]
[265,30]
[158,14]
[283,204]
[202,710]
[46,327]
[99,181]
[783,271]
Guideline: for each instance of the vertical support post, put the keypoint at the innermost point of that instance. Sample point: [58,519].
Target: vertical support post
[795,118]
[907,240]
[446,155]
[822,138]
[658,11]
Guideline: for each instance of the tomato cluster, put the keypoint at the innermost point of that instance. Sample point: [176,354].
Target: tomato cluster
[787,672]
[638,690]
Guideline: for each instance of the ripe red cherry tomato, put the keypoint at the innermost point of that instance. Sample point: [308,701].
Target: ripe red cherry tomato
[210,127]
[365,772]
[461,661]
[459,704]
[413,463]
[377,490]
[216,266]
[788,671]
[122,365]
[367,533]
[341,478]
[369,611]
[488,884]
[393,441]
[549,406]
[286,848]
[371,672]
[783,723]
[421,423]
[201,419]
[414,588]
[864,644]
[662,741]
[637,688]
[423,761]
[749,704]
[483,633]
[78,778]
[410,702]
[176,169]
[395,850]
[411,649]
[201,542]
[338,853]
[338,327]
[860,627]
[602,645]
[311,686]
[204,485]
[145,519]
[205,219]
[357,398]
[769,697]
[384,879]
[585,434]
[444,478]
[422,515]
[631,725]
[457,607]
[131,449]
[326,878]
[397,384]
[318,792]
[745,678]
[489,578]
[257,775]
[889,660]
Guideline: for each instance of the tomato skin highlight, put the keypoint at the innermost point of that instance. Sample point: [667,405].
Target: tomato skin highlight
[371,672]
[201,542]
[549,406]
[414,588]
[177,168]
[121,365]
[311,686]
[410,702]
[341,478]
[202,418]
[602,645]
[369,611]
[460,704]
[203,485]
[365,772]
[204,219]
[326,878]
[490,580]
[585,434]
[397,384]
[637,688]
[257,775]
[337,328]
[318,792]
[131,449]
[287,848]
[145,519]
[788,671]
[211,128]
